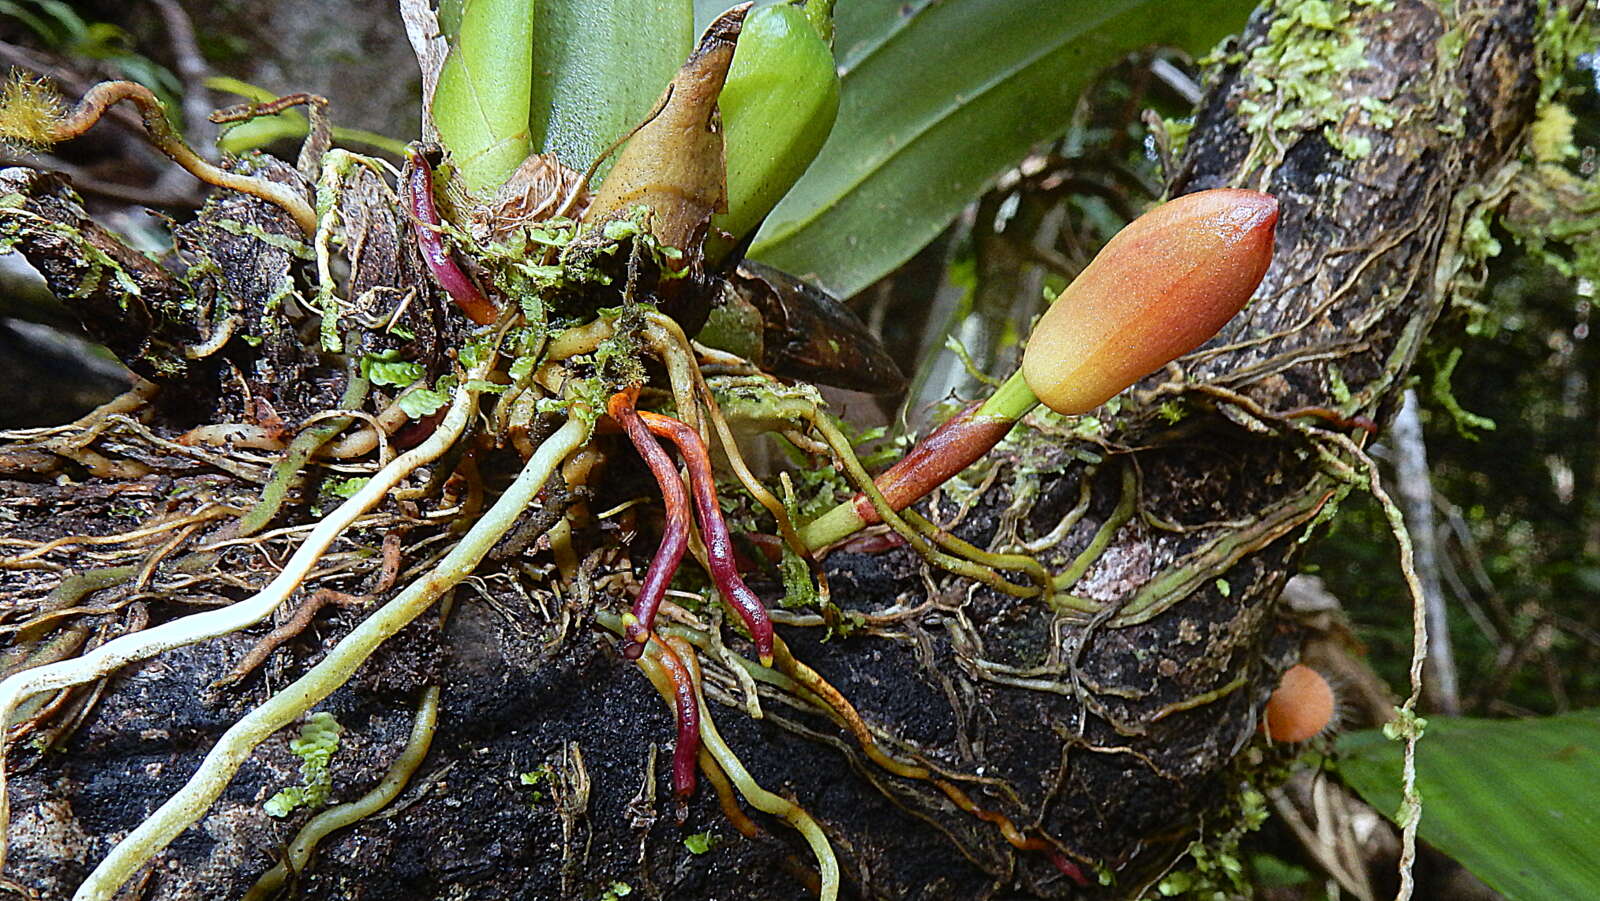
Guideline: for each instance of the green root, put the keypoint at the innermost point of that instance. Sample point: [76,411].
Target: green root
[240,615]
[305,445]
[341,815]
[758,797]
[1102,538]
[216,771]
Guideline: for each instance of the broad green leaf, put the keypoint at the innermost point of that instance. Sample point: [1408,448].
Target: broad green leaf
[481,102]
[940,97]
[602,64]
[1517,802]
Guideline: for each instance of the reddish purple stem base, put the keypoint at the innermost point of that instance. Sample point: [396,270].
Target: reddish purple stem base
[430,241]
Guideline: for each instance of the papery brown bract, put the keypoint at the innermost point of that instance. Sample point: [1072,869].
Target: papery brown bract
[1163,286]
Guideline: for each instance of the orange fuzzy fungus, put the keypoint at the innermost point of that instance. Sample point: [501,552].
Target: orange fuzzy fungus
[1163,286]
[1300,708]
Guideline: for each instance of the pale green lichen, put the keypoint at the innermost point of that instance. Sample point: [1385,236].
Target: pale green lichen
[1550,138]
[1295,80]
[286,243]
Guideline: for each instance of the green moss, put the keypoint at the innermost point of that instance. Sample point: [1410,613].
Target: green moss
[389,370]
[1550,138]
[1294,80]
[315,745]
[533,779]
[1213,866]
[701,842]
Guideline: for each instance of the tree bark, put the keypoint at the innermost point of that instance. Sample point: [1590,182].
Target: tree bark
[1113,736]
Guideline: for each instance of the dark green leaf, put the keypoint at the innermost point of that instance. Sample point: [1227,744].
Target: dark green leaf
[1515,801]
[941,97]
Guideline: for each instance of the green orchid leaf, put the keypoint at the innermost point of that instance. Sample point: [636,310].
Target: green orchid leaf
[601,66]
[481,103]
[940,97]
[1511,800]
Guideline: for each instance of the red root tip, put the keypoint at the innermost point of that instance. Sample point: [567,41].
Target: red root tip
[714,529]
[688,711]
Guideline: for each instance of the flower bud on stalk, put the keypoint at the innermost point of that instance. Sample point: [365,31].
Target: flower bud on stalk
[1160,288]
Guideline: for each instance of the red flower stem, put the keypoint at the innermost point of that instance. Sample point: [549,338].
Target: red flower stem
[688,709]
[948,449]
[674,539]
[426,223]
[714,529]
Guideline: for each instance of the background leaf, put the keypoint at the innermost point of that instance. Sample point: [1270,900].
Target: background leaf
[601,64]
[1517,802]
[938,99]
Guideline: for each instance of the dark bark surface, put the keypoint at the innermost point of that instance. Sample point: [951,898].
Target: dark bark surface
[1114,735]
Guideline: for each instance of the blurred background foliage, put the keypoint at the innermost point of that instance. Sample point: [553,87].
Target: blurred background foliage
[1516,493]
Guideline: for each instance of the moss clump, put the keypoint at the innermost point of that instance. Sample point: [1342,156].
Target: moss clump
[1292,81]
[315,744]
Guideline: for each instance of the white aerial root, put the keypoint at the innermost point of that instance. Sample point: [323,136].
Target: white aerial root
[217,770]
[243,614]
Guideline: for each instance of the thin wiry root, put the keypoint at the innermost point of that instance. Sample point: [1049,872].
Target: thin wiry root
[291,627]
[342,815]
[107,94]
[217,770]
[243,614]
[203,514]
[846,715]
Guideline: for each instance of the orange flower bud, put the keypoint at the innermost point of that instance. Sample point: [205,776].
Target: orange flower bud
[1163,286]
[1301,706]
